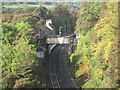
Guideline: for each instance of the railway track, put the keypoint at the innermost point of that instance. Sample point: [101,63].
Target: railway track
[59,71]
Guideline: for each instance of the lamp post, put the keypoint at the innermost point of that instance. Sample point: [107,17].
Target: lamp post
[60,31]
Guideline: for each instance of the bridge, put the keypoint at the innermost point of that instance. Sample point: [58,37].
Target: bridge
[60,39]
[53,41]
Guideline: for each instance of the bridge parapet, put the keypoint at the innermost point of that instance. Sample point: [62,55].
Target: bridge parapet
[60,40]
[53,41]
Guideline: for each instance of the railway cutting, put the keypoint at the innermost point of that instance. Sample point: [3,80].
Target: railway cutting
[59,73]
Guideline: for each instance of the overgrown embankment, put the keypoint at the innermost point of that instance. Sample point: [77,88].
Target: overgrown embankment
[95,60]
[21,68]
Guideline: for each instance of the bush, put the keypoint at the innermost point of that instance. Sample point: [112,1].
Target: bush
[98,51]
[19,62]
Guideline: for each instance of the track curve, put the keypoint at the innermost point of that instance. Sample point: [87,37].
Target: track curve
[60,73]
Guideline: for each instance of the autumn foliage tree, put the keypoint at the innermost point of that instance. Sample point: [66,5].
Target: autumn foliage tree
[96,57]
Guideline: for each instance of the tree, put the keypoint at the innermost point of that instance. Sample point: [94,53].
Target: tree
[42,12]
[87,16]
[96,57]
[9,32]
[62,17]
[19,62]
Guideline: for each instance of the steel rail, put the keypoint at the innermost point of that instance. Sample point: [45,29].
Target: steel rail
[64,73]
[59,63]
[69,72]
[54,82]
[67,75]
[58,71]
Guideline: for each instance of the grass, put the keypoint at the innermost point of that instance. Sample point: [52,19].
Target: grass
[49,6]
[27,5]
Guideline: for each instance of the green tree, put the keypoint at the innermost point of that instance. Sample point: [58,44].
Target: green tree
[41,12]
[19,62]
[87,17]
[9,32]
[62,17]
